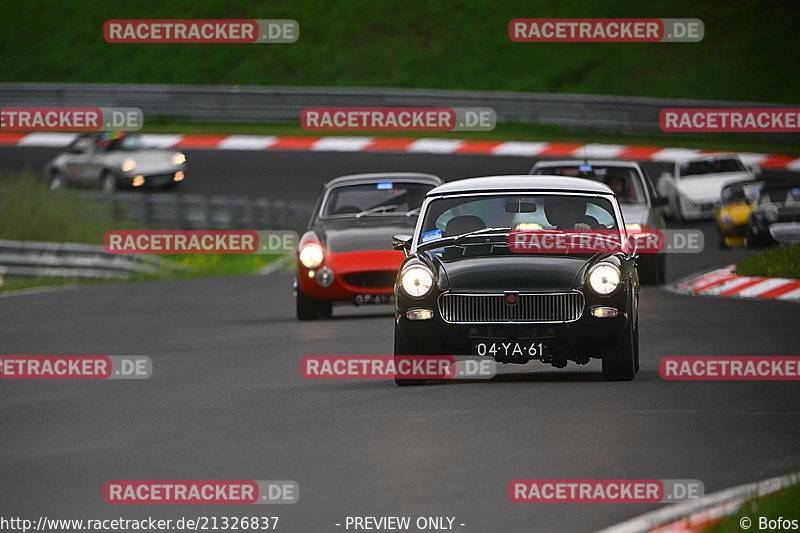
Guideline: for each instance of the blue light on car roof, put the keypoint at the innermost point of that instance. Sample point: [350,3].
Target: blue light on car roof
[585,168]
[385,185]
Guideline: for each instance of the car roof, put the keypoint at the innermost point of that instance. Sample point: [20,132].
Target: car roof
[521,183]
[375,177]
[594,162]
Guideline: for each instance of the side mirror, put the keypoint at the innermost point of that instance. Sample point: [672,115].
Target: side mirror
[659,201]
[755,169]
[402,242]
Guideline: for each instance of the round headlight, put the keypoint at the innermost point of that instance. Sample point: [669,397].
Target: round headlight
[604,278]
[178,159]
[128,165]
[416,281]
[311,255]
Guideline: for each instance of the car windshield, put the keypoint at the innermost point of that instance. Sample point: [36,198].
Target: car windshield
[739,192]
[375,199]
[624,181]
[450,217]
[710,166]
[127,143]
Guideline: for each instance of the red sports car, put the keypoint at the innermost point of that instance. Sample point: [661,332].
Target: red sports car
[346,254]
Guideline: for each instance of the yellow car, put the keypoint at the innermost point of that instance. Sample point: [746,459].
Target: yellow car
[736,202]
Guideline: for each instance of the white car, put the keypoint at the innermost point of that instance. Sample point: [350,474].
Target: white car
[112,161]
[641,206]
[694,187]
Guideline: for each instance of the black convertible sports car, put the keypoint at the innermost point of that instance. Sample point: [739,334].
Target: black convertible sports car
[463,290]
[776,212]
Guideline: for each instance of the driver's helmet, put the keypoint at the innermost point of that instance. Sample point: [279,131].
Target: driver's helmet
[110,140]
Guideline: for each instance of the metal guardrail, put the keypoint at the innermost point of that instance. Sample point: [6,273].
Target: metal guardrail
[73,260]
[251,104]
[196,212]
[147,211]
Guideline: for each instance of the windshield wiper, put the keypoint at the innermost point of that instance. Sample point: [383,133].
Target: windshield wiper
[479,232]
[457,238]
[377,209]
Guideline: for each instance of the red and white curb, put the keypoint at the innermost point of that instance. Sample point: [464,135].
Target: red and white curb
[723,282]
[411,145]
[696,515]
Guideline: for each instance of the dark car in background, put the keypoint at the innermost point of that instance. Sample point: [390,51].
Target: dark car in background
[346,255]
[462,290]
[776,214]
[637,197]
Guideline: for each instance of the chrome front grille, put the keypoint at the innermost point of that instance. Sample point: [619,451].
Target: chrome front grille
[542,307]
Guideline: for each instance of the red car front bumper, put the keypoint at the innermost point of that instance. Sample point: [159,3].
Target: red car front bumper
[354,273]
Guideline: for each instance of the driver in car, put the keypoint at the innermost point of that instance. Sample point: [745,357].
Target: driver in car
[617,184]
[569,213]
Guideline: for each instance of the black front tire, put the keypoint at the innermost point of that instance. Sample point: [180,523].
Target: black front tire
[310,308]
[620,360]
[722,244]
[401,347]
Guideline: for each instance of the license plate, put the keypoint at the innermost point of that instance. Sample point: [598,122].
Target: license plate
[368,299]
[531,349]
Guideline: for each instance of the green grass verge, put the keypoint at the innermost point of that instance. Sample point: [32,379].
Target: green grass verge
[781,504]
[29,211]
[777,262]
[503,132]
[745,54]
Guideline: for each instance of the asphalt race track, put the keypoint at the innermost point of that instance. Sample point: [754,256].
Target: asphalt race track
[227,400]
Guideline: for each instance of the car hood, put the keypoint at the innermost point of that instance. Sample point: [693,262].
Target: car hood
[519,272]
[635,213]
[366,233]
[708,188]
[146,160]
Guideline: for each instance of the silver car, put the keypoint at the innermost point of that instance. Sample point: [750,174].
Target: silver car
[111,162]
[636,195]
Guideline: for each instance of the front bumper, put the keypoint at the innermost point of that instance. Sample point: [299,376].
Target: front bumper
[368,265]
[699,210]
[587,336]
[152,179]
